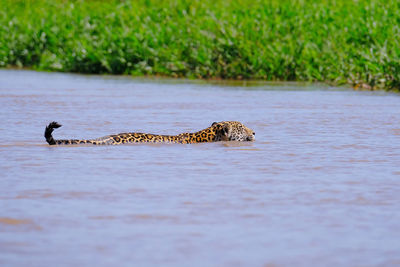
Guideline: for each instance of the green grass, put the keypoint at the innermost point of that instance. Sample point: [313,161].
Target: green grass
[331,41]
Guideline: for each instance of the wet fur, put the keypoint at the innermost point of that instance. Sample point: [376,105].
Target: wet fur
[218,131]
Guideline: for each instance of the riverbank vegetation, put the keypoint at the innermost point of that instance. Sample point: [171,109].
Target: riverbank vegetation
[338,41]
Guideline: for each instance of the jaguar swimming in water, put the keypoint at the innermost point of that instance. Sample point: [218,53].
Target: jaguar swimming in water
[218,131]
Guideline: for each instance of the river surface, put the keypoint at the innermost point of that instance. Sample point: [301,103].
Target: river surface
[320,186]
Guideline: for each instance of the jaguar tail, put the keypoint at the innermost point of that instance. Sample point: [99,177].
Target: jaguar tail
[54,125]
[48,132]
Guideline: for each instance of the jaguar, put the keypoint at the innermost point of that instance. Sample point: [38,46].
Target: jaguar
[218,131]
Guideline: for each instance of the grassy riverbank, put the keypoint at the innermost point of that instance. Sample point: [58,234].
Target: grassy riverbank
[336,41]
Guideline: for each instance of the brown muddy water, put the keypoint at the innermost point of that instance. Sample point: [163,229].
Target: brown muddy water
[320,186]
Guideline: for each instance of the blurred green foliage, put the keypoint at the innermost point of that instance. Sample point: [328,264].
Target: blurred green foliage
[339,41]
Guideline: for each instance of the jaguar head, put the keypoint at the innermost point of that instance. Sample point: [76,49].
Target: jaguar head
[233,131]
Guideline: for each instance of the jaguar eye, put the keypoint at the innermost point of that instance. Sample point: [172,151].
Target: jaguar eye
[254,133]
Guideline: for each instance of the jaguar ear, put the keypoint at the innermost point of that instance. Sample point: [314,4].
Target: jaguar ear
[226,132]
[214,123]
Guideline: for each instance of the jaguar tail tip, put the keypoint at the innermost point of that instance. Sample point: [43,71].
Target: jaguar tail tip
[49,130]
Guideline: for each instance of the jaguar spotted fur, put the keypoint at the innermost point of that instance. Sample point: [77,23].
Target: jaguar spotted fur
[218,131]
